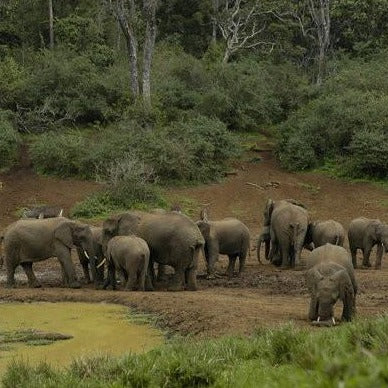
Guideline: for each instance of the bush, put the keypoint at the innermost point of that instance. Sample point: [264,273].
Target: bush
[9,141]
[347,121]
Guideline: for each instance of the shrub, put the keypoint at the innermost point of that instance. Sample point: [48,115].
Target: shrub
[9,140]
[59,153]
[347,121]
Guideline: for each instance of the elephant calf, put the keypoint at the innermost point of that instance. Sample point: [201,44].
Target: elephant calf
[324,232]
[227,237]
[131,255]
[43,212]
[330,277]
[265,237]
[364,234]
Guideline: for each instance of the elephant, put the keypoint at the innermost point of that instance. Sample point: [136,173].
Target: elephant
[288,221]
[228,236]
[173,239]
[264,237]
[330,277]
[321,232]
[131,255]
[29,241]
[96,268]
[365,233]
[43,212]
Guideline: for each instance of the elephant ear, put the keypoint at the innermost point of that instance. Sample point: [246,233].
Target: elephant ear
[313,277]
[268,211]
[110,225]
[63,233]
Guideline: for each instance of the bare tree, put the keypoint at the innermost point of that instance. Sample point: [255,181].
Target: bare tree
[51,23]
[149,8]
[125,13]
[320,14]
[240,27]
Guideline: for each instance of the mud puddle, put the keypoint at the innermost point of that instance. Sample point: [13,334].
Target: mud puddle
[95,329]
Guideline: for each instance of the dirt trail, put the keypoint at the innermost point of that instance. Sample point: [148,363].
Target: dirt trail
[263,295]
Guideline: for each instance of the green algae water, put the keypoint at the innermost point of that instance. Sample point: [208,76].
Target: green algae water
[95,328]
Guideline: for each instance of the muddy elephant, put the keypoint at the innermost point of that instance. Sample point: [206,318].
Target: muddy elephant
[322,232]
[330,277]
[130,255]
[43,212]
[365,233]
[173,239]
[288,221]
[264,238]
[29,241]
[226,237]
[97,265]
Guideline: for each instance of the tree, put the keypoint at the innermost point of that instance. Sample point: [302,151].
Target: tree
[240,25]
[51,23]
[126,12]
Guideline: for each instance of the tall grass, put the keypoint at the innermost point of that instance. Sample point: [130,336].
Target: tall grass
[354,355]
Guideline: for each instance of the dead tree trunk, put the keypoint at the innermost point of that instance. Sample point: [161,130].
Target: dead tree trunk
[51,24]
[148,49]
[320,14]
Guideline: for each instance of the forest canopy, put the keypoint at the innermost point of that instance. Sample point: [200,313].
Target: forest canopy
[166,85]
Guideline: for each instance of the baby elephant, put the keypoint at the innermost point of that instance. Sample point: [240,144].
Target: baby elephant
[227,237]
[131,255]
[43,212]
[330,277]
[324,232]
[364,234]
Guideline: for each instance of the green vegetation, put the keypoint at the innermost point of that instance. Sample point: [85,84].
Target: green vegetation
[75,96]
[9,140]
[353,354]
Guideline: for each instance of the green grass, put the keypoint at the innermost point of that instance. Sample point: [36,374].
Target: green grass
[351,355]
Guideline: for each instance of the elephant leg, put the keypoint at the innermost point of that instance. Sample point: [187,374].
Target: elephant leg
[10,274]
[141,278]
[148,278]
[85,268]
[232,262]
[64,257]
[65,278]
[353,252]
[367,251]
[379,256]
[191,279]
[111,277]
[32,280]
[241,261]
[130,284]
[162,277]
[177,280]
[285,252]
[313,311]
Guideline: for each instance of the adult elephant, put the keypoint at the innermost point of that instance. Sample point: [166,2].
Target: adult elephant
[97,267]
[365,233]
[324,232]
[288,221]
[172,237]
[226,237]
[29,241]
[330,277]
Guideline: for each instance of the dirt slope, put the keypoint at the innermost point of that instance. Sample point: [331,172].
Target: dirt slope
[264,295]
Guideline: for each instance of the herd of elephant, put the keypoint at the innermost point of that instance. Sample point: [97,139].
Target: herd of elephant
[132,242]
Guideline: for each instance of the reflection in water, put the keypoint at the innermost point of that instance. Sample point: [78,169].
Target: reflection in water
[96,329]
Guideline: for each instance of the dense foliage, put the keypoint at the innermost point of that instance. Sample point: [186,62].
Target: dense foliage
[352,355]
[76,97]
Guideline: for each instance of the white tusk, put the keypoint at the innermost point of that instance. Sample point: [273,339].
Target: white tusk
[332,318]
[102,263]
[86,254]
[60,213]
[319,318]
